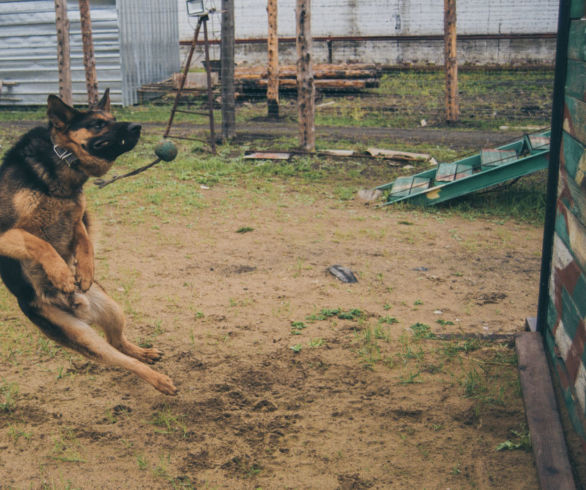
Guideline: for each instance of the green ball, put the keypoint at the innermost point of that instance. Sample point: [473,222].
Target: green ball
[166,150]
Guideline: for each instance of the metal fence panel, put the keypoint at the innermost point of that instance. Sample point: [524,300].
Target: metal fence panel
[135,42]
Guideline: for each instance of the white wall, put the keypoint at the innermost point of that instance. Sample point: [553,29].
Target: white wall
[390,17]
[398,18]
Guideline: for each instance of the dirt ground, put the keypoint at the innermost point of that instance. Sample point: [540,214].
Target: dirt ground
[288,377]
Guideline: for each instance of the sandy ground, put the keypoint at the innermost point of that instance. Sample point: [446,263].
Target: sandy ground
[288,377]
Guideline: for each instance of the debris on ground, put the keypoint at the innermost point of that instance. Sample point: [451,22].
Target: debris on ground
[342,273]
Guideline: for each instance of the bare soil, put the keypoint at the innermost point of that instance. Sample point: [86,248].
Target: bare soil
[288,377]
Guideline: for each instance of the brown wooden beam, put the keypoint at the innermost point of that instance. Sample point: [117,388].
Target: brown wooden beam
[63,51]
[547,435]
[89,59]
[227,71]
[305,85]
[273,61]
[451,61]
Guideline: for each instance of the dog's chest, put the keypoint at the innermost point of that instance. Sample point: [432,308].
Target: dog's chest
[52,219]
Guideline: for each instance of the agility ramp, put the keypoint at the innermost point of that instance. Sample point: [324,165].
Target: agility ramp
[487,168]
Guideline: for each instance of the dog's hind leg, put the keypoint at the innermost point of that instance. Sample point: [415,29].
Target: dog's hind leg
[106,313]
[76,334]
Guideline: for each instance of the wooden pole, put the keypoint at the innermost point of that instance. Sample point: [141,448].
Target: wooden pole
[63,58]
[305,85]
[89,60]
[227,71]
[273,61]
[206,48]
[451,61]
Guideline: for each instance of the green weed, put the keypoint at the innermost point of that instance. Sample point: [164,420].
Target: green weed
[167,422]
[8,396]
[422,331]
[522,440]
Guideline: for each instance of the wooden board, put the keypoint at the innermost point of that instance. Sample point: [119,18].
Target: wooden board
[547,436]
[578,9]
[575,119]
[576,40]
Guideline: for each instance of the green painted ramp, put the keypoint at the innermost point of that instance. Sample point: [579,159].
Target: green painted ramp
[485,169]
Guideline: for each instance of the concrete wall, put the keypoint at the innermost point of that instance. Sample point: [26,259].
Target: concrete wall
[400,31]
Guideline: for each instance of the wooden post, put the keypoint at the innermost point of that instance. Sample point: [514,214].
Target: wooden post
[451,61]
[89,60]
[63,59]
[206,48]
[273,61]
[305,85]
[227,71]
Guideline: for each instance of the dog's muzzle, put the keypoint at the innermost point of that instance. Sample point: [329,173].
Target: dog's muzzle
[121,138]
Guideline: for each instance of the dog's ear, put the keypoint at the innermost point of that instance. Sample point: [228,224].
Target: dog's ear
[104,104]
[60,114]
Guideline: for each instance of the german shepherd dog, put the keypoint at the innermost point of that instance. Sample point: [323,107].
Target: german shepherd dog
[46,253]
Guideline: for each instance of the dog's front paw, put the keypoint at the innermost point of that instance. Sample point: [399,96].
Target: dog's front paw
[84,275]
[61,277]
[165,385]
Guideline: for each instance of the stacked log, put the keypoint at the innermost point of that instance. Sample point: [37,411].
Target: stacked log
[327,78]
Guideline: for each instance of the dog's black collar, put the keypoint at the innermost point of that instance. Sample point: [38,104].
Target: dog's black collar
[64,155]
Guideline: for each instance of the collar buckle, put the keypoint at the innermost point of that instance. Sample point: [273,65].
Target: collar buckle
[68,157]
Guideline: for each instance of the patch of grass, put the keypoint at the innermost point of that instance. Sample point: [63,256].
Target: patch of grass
[166,422]
[16,433]
[297,327]
[444,323]
[66,447]
[422,331]
[324,314]
[142,462]
[244,229]
[411,378]
[315,343]
[474,384]
[389,320]
[8,396]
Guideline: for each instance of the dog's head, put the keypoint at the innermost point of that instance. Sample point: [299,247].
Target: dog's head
[93,136]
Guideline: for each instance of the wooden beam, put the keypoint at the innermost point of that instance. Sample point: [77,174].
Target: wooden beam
[305,85]
[547,435]
[227,71]
[89,59]
[273,61]
[451,61]
[63,51]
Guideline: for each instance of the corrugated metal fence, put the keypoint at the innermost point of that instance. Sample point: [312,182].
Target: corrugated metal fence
[135,42]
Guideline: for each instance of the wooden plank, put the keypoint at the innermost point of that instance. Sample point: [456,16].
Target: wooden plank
[576,80]
[578,9]
[531,324]
[575,119]
[399,155]
[574,154]
[547,436]
[576,39]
